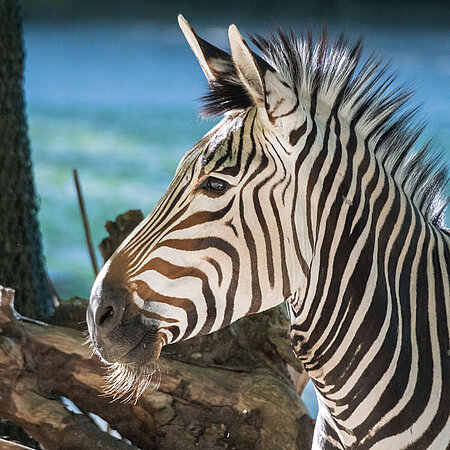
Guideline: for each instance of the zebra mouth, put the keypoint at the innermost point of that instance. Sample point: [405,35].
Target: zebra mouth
[118,347]
[128,377]
[126,380]
[146,351]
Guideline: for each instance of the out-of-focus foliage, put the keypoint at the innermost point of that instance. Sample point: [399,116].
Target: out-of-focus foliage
[432,13]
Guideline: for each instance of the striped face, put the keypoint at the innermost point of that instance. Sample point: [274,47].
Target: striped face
[208,253]
[218,244]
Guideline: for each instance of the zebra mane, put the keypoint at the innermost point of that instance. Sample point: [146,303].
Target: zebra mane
[330,72]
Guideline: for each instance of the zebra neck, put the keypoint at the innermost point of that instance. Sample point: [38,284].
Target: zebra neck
[372,297]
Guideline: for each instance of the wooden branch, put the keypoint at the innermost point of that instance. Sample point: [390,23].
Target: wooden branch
[8,445]
[23,400]
[7,311]
[248,403]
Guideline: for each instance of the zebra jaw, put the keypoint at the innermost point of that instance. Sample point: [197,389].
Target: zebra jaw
[126,380]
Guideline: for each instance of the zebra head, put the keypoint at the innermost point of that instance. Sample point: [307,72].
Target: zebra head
[219,244]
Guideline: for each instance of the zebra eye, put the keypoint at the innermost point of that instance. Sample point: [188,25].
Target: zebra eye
[215,184]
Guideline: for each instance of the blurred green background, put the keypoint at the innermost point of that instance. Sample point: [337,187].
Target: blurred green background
[112,89]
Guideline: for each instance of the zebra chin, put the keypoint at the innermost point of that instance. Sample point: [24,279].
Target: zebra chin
[145,351]
[126,341]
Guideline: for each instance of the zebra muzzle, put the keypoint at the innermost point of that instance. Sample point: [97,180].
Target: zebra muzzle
[118,332]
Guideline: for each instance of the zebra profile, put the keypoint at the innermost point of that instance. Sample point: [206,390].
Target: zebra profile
[309,190]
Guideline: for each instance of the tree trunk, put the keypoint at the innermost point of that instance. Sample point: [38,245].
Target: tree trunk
[21,261]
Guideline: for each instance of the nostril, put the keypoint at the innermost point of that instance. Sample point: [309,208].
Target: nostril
[109,312]
[106,308]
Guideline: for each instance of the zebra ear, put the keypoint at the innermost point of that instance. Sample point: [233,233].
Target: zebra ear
[248,68]
[213,61]
[261,80]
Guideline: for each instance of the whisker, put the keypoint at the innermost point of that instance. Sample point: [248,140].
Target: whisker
[126,384]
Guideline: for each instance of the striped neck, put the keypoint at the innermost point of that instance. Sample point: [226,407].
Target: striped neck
[372,258]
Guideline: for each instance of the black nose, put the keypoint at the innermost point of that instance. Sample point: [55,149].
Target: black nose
[106,310]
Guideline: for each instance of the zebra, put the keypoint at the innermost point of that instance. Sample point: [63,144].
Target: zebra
[310,190]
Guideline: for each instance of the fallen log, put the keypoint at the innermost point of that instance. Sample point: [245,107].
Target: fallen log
[205,404]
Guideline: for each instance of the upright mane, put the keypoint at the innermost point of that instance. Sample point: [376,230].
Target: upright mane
[331,73]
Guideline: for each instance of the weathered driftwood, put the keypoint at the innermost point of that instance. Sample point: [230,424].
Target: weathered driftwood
[230,389]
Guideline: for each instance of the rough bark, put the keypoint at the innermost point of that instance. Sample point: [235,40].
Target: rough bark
[21,260]
[119,230]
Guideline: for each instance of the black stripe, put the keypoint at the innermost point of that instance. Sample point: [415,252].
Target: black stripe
[261,217]
[295,135]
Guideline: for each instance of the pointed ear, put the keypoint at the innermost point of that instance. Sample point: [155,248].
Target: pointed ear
[262,81]
[248,69]
[212,60]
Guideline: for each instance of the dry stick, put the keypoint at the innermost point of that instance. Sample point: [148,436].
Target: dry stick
[11,445]
[53,292]
[87,230]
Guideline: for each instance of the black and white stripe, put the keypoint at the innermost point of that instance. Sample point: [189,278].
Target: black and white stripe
[304,192]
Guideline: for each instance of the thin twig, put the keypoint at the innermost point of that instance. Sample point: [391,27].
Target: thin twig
[87,230]
[53,292]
